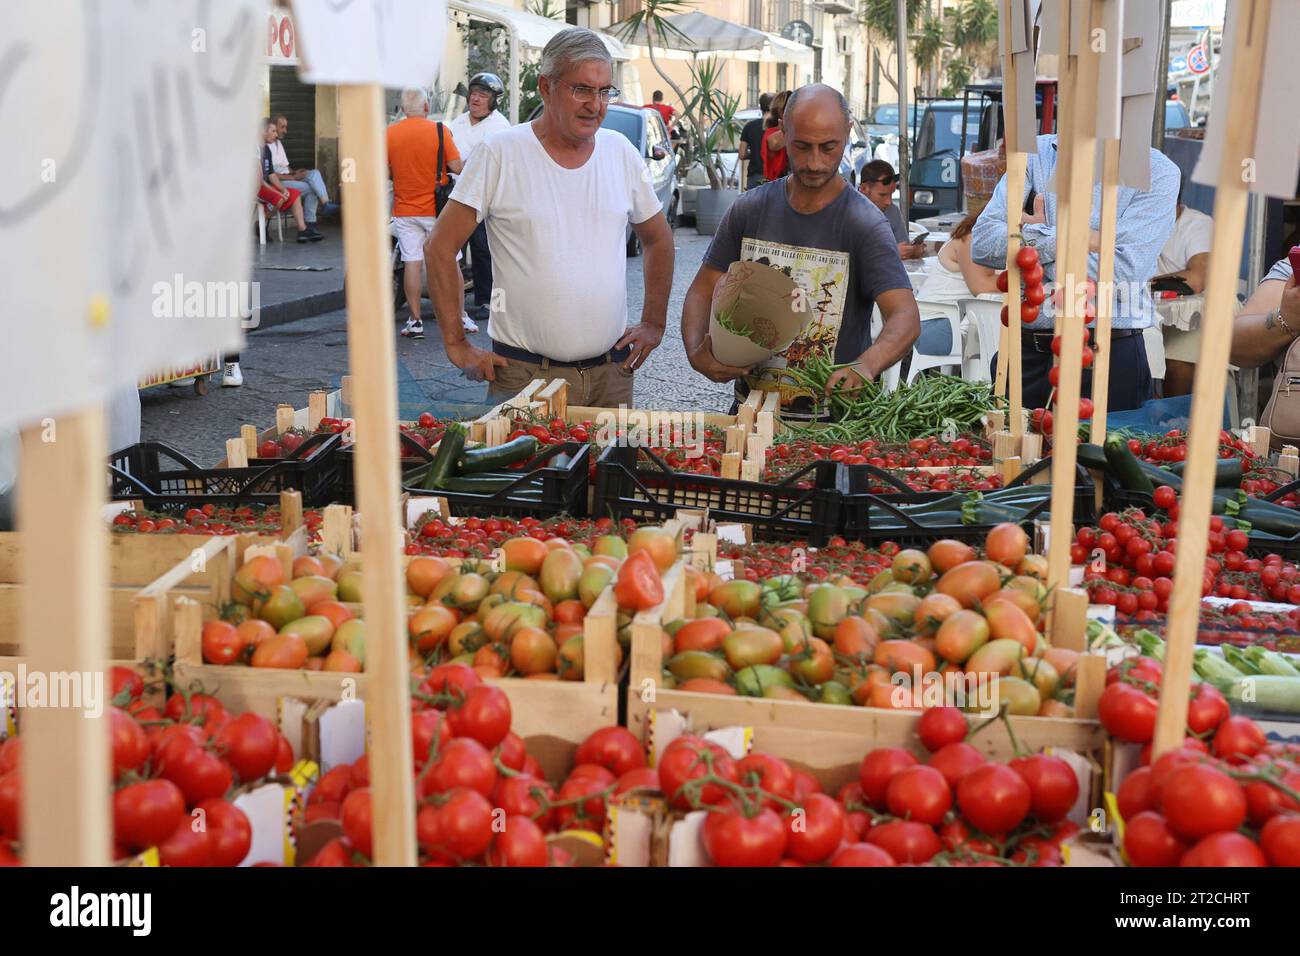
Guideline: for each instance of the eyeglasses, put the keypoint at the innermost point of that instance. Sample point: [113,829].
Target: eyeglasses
[587,94]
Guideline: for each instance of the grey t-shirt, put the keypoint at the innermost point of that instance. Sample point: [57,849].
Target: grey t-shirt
[1281,270]
[842,258]
[895,217]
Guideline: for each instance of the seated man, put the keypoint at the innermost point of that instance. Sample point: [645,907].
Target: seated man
[272,192]
[878,183]
[308,182]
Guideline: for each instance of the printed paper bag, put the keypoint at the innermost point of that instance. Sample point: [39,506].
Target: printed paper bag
[757,311]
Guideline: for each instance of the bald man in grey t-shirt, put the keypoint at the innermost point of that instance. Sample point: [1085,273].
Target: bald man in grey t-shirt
[1269,321]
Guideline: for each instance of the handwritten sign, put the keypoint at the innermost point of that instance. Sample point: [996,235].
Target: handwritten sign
[1274,163]
[395,43]
[130,162]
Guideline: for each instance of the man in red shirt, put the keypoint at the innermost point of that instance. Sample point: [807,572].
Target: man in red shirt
[666,111]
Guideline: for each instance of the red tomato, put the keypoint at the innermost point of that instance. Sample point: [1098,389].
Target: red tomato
[464,762]
[815,830]
[994,798]
[463,827]
[1134,794]
[732,839]
[144,814]
[1198,800]
[187,846]
[772,774]
[250,744]
[1280,840]
[357,819]
[430,731]
[918,793]
[1053,787]
[878,768]
[1225,849]
[955,761]
[1148,841]
[524,795]
[1127,713]
[684,759]
[940,726]
[1238,738]
[906,841]
[521,842]
[1207,708]
[614,748]
[129,743]
[861,854]
[484,715]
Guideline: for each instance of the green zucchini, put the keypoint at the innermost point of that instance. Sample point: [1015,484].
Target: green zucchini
[1266,692]
[472,461]
[1280,521]
[1160,476]
[1094,457]
[1124,465]
[449,449]
[488,484]
[1228,472]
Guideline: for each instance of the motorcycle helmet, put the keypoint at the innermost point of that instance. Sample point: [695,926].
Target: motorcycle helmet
[490,82]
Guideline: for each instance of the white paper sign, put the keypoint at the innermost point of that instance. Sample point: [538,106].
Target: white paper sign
[342,734]
[396,43]
[265,809]
[128,174]
[1275,160]
[1109,71]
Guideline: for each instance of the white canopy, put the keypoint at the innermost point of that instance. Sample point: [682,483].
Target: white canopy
[529,29]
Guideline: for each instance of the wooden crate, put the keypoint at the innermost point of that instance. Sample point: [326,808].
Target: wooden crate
[140,616]
[560,714]
[827,740]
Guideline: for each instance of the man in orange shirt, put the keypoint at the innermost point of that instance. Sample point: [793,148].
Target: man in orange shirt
[413,165]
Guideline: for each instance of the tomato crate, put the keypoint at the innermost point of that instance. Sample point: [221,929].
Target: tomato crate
[827,740]
[894,524]
[636,483]
[559,713]
[144,581]
[553,482]
[1261,543]
[413,456]
[161,477]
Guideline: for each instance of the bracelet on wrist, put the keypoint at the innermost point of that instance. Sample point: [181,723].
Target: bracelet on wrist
[1277,314]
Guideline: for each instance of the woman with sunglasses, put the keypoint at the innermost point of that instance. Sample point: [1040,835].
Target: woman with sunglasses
[878,181]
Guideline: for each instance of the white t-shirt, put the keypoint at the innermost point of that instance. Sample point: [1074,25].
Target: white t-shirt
[1193,234]
[469,135]
[278,158]
[558,238]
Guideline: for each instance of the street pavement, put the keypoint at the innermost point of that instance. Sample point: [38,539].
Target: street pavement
[286,359]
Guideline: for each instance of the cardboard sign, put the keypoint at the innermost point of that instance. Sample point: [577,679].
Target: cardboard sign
[1276,156]
[395,43]
[139,184]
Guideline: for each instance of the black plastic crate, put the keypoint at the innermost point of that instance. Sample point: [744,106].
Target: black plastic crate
[163,478]
[636,483]
[857,506]
[413,455]
[553,482]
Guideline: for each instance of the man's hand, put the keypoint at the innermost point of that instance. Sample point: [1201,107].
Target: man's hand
[852,377]
[1289,307]
[702,361]
[1040,212]
[644,339]
[477,363]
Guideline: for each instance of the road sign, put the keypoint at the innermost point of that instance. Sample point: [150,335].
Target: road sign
[1198,59]
[798,31]
[1178,64]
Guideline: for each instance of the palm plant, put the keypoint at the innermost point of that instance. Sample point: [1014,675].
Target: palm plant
[928,44]
[653,16]
[879,17]
[976,29]
[717,109]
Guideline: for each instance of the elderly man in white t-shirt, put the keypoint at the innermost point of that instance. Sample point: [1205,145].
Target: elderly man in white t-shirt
[557,195]
[307,182]
[469,129]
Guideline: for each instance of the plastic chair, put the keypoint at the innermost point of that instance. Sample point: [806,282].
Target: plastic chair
[985,317]
[261,223]
[939,344]
[889,377]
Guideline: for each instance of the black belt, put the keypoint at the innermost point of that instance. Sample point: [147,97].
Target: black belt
[523,355]
[1042,341]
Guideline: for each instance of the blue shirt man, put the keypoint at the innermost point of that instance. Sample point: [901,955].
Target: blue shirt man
[1144,221]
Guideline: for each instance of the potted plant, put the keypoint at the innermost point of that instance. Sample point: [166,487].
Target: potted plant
[716,131]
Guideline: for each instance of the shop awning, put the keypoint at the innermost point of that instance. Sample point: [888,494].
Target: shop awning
[702,34]
[529,29]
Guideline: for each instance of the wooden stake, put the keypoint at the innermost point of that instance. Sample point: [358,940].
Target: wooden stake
[65,749]
[249,435]
[345,395]
[556,396]
[1105,280]
[731,464]
[1010,469]
[1089,682]
[765,425]
[735,436]
[336,530]
[1031,447]
[236,453]
[373,362]
[1289,461]
[290,512]
[1259,437]
[1075,153]
[756,450]
[1017,165]
[283,418]
[1005,445]
[318,408]
[994,421]
[1068,627]
[1230,198]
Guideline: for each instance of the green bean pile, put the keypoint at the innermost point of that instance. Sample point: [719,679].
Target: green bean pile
[931,405]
